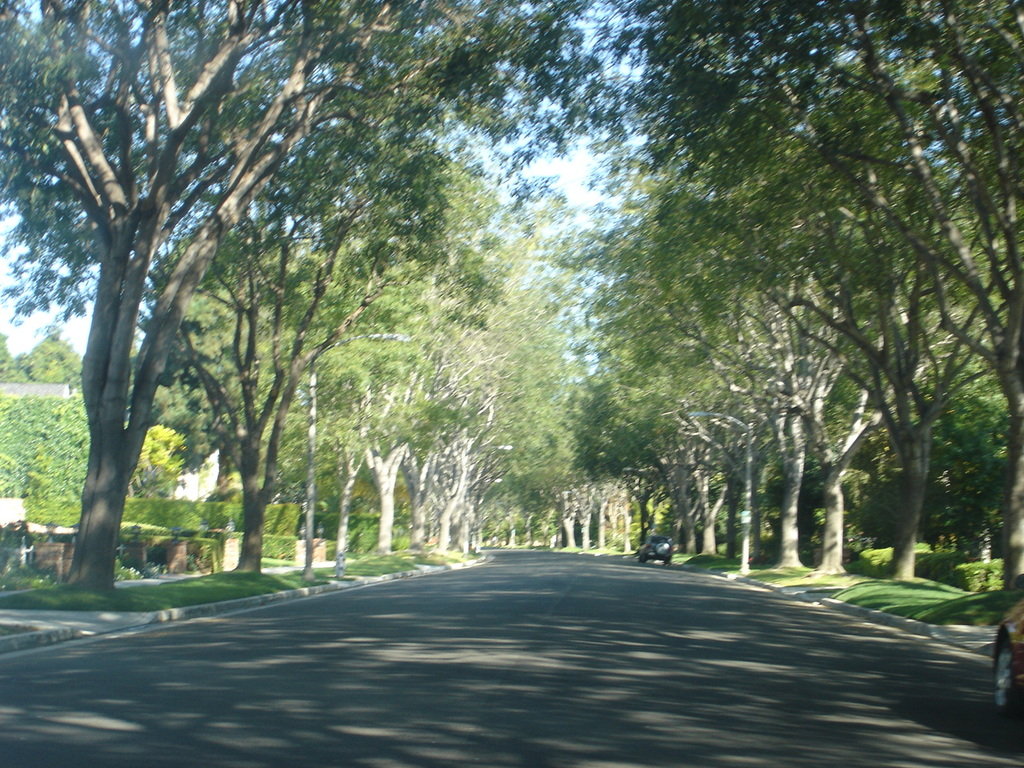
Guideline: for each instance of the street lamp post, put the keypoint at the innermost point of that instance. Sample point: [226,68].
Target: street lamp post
[308,528]
[748,482]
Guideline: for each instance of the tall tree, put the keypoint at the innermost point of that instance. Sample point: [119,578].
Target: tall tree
[8,370]
[303,270]
[137,136]
[915,109]
[53,360]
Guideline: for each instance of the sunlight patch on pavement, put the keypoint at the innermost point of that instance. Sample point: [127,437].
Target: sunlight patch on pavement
[95,721]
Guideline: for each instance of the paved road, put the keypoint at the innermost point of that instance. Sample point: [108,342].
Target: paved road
[533,660]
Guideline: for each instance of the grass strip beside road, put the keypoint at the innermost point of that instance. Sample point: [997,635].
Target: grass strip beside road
[205,589]
[142,599]
[929,601]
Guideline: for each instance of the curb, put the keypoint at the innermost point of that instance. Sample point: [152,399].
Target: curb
[965,637]
[39,638]
[25,640]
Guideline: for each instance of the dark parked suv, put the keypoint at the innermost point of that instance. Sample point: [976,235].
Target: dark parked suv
[656,548]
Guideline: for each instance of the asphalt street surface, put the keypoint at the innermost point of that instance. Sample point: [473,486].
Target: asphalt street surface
[533,660]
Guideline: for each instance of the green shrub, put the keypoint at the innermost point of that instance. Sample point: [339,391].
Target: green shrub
[939,566]
[282,520]
[876,563]
[980,577]
[44,444]
[65,514]
[206,555]
[145,531]
[126,571]
[188,515]
[362,532]
[279,547]
[218,513]
[25,577]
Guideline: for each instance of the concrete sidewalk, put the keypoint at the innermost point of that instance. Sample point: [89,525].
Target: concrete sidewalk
[49,627]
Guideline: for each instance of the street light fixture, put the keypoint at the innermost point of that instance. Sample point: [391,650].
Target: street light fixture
[748,481]
[308,528]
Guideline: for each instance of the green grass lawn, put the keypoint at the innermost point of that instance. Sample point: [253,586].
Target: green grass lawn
[931,602]
[927,601]
[783,577]
[206,589]
[380,565]
[174,594]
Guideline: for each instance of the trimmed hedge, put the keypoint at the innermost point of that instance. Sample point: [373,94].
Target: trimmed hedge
[43,448]
[980,577]
[363,528]
[145,531]
[945,567]
[206,555]
[940,566]
[875,563]
[279,547]
[168,513]
[281,519]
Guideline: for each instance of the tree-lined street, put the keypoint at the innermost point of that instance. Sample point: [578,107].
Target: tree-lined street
[330,297]
[535,659]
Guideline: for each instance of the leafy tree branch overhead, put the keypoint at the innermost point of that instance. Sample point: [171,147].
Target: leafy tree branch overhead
[136,137]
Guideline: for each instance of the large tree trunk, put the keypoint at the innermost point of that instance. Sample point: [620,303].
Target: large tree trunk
[418,481]
[385,477]
[1013,491]
[643,500]
[569,517]
[832,532]
[709,543]
[686,530]
[834,463]
[466,525]
[456,496]
[117,383]
[106,486]
[793,447]
[569,531]
[444,534]
[386,531]
[709,512]
[733,493]
[756,528]
[348,470]
[914,458]
[254,508]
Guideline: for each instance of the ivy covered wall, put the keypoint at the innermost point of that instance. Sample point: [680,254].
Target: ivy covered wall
[44,443]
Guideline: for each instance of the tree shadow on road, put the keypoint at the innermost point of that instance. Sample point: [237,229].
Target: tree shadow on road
[534,661]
